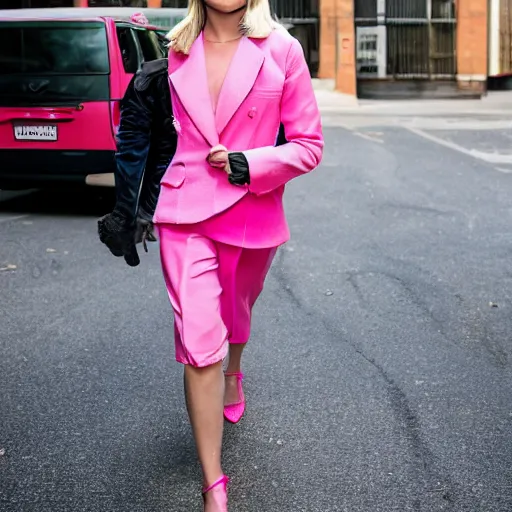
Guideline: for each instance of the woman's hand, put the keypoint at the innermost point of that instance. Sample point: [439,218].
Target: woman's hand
[218,158]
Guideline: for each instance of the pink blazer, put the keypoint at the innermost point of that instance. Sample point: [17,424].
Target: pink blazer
[268,83]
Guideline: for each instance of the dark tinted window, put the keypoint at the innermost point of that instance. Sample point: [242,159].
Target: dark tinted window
[105,3]
[406,9]
[118,3]
[150,45]
[183,4]
[128,49]
[163,42]
[295,9]
[63,48]
[35,4]
[366,9]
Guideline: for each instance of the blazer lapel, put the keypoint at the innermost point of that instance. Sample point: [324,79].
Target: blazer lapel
[191,85]
[242,73]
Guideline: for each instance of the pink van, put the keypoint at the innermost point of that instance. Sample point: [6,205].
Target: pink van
[61,81]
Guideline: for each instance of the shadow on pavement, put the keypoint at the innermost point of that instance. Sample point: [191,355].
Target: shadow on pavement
[79,201]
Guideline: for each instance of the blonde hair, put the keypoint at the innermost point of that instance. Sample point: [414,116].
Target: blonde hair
[257,22]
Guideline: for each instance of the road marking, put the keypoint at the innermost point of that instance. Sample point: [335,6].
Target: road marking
[466,124]
[12,219]
[492,158]
[368,137]
[371,136]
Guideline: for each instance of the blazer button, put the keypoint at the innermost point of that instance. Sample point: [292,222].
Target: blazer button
[252,112]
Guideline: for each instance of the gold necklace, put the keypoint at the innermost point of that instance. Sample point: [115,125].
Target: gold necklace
[223,42]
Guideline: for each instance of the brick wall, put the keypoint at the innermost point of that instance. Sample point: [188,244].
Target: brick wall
[337,44]
[327,39]
[472,44]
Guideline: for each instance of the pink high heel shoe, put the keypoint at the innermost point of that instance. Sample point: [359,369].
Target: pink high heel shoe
[234,412]
[219,493]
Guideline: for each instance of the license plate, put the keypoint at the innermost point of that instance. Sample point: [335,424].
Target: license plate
[35,132]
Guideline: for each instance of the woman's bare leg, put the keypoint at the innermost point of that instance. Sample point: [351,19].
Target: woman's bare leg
[234,366]
[204,393]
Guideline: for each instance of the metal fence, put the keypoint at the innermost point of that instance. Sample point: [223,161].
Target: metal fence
[118,3]
[299,16]
[176,4]
[302,9]
[289,9]
[405,38]
[505,45]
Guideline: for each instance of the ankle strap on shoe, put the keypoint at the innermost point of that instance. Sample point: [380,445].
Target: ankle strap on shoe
[240,375]
[222,480]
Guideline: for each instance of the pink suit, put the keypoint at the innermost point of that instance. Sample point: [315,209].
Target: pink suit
[214,235]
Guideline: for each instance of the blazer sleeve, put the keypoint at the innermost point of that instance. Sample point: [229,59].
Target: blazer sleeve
[273,166]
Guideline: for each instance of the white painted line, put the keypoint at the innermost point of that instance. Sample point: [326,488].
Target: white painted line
[467,124]
[12,219]
[492,158]
[368,137]
[363,135]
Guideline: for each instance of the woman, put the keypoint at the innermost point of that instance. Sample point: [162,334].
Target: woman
[235,76]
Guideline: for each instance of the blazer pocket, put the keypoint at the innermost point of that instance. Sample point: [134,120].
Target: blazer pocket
[175,175]
[264,92]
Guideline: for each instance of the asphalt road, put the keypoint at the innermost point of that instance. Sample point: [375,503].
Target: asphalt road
[378,376]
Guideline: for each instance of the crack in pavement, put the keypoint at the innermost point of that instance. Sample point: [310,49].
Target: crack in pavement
[407,421]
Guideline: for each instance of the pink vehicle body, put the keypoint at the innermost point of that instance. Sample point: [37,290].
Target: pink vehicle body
[61,83]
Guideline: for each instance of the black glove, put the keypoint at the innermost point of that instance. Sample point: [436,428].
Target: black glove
[119,235]
[144,232]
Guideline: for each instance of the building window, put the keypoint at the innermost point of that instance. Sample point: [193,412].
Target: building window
[118,3]
[35,4]
[365,9]
[419,37]
[408,50]
[295,9]
[443,9]
[401,9]
[175,4]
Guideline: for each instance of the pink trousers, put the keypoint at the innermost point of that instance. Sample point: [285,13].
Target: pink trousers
[212,288]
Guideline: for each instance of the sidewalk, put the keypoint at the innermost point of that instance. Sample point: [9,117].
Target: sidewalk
[331,102]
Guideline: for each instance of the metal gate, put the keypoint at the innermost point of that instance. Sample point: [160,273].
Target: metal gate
[35,4]
[301,19]
[405,39]
[505,28]
[299,16]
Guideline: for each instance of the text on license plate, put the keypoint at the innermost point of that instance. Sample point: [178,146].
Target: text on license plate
[35,132]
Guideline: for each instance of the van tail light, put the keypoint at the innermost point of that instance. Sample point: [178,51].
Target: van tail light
[115,116]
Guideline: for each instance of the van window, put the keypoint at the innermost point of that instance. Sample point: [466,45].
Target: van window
[53,47]
[128,48]
[150,45]
[163,41]
[53,62]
